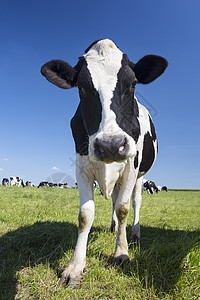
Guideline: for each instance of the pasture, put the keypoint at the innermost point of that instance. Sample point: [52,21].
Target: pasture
[38,232]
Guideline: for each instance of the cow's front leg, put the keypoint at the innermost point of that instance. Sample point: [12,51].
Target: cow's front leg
[72,275]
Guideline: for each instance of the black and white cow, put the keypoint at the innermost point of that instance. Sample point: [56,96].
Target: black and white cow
[16,181]
[5,182]
[61,185]
[164,188]
[149,186]
[114,136]
[29,183]
[43,184]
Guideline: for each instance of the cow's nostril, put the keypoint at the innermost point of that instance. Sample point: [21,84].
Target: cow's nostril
[123,145]
[121,149]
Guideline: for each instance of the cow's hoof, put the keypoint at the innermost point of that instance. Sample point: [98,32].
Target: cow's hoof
[121,260]
[72,283]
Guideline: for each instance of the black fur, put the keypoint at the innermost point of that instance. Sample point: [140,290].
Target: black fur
[148,153]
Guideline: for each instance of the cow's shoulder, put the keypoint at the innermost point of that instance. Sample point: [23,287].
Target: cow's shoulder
[79,133]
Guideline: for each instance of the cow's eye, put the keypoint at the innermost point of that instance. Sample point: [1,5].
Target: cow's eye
[133,85]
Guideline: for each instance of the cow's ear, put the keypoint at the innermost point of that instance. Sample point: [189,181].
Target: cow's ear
[60,73]
[149,67]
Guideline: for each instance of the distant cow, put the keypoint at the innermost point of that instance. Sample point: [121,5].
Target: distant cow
[43,184]
[5,181]
[16,181]
[62,185]
[164,188]
[114,136]
[29,183]
[95,185]
[59,185]
[149,186]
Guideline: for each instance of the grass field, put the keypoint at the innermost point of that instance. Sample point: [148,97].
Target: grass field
[38,231]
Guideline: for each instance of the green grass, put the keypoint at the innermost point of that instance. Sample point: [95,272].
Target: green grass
[38,232]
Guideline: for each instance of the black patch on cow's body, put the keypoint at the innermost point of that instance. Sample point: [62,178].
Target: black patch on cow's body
[79,133]
[91,107]
[136,160]
[148,153]
[153,132]
[91,112]
[124,104]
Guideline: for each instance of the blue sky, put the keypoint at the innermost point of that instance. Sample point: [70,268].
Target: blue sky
[35,136]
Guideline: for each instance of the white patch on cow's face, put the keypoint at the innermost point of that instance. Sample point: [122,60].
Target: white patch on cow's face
[104,62]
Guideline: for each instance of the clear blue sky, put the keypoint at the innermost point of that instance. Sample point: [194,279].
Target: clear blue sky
[35,136]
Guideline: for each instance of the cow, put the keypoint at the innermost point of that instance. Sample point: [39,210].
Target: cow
[29,183]
[43,184]
[164,188]
[95,185]
[5,182]
[114,136]
[149,186]
[16,181]
[63,185]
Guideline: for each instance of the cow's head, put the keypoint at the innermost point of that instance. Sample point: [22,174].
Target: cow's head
[106,80]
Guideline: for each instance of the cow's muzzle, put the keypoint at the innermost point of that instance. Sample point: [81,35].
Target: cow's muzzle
[110,149]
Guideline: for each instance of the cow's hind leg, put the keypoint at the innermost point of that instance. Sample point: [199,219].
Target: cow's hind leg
[121,250]
[122,210]
[137,200]
[114,222]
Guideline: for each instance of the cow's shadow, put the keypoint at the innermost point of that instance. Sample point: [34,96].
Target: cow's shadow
[40,243]
[46,242]
[158,257]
